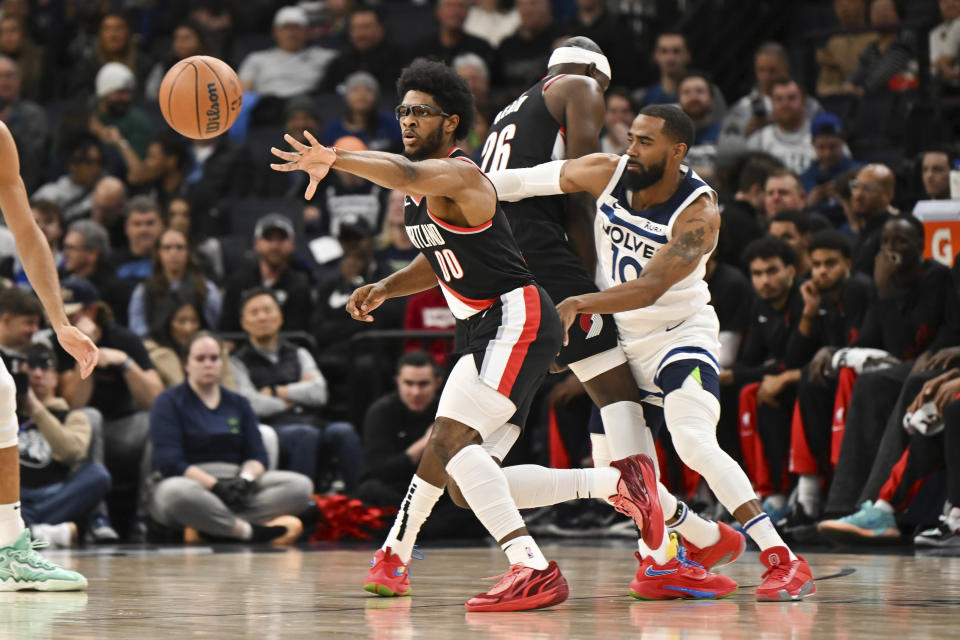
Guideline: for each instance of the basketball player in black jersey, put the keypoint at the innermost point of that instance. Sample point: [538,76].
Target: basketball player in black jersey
[511,330]
[560,117]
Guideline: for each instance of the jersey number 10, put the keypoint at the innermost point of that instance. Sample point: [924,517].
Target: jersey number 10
[496,150]
[449,265]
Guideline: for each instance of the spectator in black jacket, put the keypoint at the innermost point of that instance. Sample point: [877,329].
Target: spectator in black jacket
[395,433]
[273,241]
[871,193]
[450,40]
[367,51]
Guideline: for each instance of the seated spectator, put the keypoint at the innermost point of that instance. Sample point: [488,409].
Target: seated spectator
[161,174]
[114,43]
[935,173]
[85,255]
[752,112]
[838,57]
[108,208]
[796,228]
[26,120]
[889,62]
[696,100]
[49,218]
[367,51]
[396,429]
[220,169]
[72,191]
[450,40]
[345,198]
[766,406]
[188,40]
[287,390]
[871,196]
[829,145]
[210,463]
[287,70]
[523,56]
[672,57]
[133,263]
[362,116]
[476,72]
[16,43]
[58,486]
[122,388]
[171,328]
[744,217]
[273,242]
[330,27]
[788,137]
[428,311]
[782,191]
[300,115]
[596,21]
[396,251]
[620,113]
[174,269]
[945,45]
[114,112]
[179,216]
[489,20]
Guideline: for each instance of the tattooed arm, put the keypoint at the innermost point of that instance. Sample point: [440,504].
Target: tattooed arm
[694,235]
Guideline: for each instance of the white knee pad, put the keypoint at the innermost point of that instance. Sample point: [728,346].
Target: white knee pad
[469,400]
[626,430]
[691,414]
[9,426]
[499,443]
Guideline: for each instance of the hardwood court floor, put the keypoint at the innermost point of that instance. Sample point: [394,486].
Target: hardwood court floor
[196,593]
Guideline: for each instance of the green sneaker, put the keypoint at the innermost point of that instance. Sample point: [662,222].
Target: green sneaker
[22,567]
[869,525]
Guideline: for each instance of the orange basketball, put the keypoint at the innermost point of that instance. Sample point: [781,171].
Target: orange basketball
[200,97]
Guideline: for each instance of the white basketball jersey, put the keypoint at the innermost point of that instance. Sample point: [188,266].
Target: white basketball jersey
[626,239]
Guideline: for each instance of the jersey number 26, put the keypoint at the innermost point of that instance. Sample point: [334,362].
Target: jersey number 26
[496,150]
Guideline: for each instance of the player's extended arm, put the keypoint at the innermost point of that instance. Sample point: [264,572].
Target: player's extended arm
[35,255]
[456,180]
[415,277]
[694,236]
[590,173]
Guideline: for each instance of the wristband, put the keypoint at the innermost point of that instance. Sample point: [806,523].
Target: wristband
[127,364]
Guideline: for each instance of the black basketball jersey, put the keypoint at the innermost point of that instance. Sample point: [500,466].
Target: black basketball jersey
[526,134]
[474,265]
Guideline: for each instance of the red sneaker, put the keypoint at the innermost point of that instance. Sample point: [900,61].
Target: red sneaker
[728,548]
[522,589]
[785,579]
[637,497]
[388,575]
[679,578]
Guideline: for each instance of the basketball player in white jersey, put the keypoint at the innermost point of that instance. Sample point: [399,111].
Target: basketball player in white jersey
[656,225]
[21,567]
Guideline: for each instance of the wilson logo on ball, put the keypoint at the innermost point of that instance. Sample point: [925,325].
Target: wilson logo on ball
[213,111]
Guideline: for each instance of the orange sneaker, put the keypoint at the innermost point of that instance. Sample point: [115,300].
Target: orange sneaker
[728,548]
[785,579]
[388,575]
[637,497]
[521,589]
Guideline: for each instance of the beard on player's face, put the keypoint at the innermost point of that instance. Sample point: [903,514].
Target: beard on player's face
[430,143]
[639,177]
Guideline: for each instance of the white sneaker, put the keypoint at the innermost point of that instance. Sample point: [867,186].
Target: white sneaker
[58,536]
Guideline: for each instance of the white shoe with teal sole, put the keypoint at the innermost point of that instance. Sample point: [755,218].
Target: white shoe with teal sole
[869,525]
[22,567]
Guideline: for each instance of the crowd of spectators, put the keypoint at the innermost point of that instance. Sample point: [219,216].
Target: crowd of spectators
[231,383]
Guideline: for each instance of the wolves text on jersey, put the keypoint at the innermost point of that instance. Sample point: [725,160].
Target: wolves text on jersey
[425,235]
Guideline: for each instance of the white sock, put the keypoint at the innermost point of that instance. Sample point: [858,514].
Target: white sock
[246,530]
[764,534]
[414,510]
[808,494]
[11,524]
[485,489]
[694,527]
[668,502]
[600,450]
[884,506]
[659,554]
[535,486]
[524,550]
[953,519]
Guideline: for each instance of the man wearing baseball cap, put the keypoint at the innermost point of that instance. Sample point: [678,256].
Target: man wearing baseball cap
[832,158]
[115,85]
[273,242]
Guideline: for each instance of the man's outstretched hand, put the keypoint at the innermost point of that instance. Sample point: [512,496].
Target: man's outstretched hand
[364,300]
[315,159]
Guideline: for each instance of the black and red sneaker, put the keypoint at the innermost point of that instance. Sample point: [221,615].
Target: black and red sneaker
[637,497]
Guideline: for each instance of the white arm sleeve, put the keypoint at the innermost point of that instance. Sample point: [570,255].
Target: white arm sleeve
[517,184]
